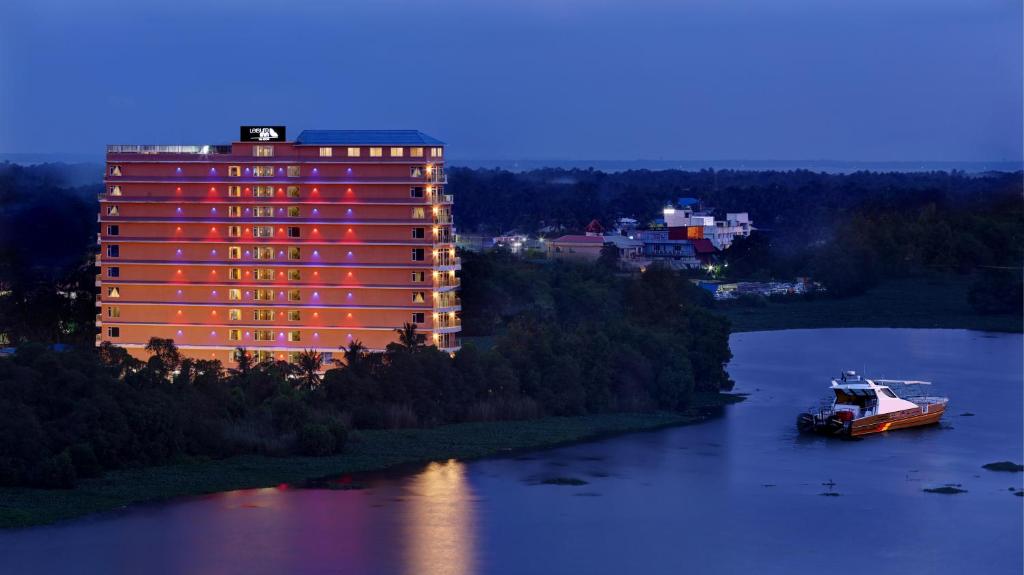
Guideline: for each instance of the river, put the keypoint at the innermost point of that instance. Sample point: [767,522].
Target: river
[739,493]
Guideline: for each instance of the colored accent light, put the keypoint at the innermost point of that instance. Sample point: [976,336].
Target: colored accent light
[316,253]
[180,332]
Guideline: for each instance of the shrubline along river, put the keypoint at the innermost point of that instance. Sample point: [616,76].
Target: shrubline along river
[743,492]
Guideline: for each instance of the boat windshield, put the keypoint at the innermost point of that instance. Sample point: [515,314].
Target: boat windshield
[888,392]
[859,397]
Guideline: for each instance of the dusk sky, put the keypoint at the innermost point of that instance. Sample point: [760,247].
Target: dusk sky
[560,79]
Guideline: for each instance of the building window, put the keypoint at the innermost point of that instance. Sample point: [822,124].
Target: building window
[294,295]
[235,314]
[294,335]
[113,332]
[234,231]
[294,275]
[436,152]
[262,355]
[263,151]
[263,191]
[416,192]
[234,294]
[115,170]
[419,317]
[419,214]
[235,273]
[263,335]
[263,294]
[263,211]
[114,190]
[234,253]
[114,272]
[294,315]
[418,254]
[418,233]
[419,297]
[113,230]
[294,171]
[416,152]
[113,210]
[263,274]
[263,231]
[416,171]
[263,315]
[326,152]
[419,277]
[293,191]
[353,152]
[234,171]
[293,232]
[234,211]
[113,292]
[397,152]
[293,211]
[263,252]
[294,253]
[234,191]
[113,311]
[234,335]
[113,251]
[376,152]
[263,171]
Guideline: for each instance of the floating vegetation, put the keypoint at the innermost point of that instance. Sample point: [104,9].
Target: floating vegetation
[1004,466]
[967,414]
[587,494]
[599,474]
[830,494]
[563,481]
[767,485]
[945,490]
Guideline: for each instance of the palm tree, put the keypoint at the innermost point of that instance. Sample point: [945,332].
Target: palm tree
[309,363]
[354,353]
[244,359]
[408,337]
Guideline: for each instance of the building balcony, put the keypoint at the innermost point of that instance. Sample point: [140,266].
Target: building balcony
[440,199]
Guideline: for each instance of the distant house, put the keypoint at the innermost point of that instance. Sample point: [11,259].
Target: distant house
[575,247]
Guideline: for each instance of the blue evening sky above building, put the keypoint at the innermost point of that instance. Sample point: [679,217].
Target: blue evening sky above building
[884,80]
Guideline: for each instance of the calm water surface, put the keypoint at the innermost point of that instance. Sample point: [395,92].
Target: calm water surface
[739,493]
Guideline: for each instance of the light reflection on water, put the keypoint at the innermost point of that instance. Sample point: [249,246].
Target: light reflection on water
[440,521]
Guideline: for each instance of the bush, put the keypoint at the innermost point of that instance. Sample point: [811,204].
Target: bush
[57,472]
[316,440]
[84,460]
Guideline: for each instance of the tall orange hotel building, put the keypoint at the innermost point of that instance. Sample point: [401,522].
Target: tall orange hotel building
[278,246]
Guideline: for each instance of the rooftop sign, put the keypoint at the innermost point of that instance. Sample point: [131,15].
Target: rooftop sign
[262,134]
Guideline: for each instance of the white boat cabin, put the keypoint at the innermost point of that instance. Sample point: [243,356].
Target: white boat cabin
[862,397]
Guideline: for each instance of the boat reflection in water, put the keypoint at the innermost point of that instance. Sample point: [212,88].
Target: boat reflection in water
[440,521]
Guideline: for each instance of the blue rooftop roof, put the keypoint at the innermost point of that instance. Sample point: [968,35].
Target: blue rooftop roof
[366,137]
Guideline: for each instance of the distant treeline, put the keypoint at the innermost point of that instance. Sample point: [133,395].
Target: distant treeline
[564,340]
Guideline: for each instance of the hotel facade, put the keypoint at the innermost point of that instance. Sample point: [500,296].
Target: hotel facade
[277,246]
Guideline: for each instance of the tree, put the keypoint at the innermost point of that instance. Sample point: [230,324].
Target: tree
[244,360]
[310,363]
[408,339]
[166,353]
[609,257]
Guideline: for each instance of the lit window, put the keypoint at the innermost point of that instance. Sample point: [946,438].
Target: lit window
[293,211]
[113,230]
[234,334]
[295,335]
[416,171]
[263,171]
[353,152]
[294,253]
[113,251]
[397,152]
[293,232]
[235,273]
[234,231]
[234,294]
[326,152]
[234,171]
[264,335]
[293,191]
[114,190]
[436,152]
[263,274]
[235,314]
[263,151]
[294,315]
[263,191]
[419,213]
[294,171]
[263,211]
[234,211]
[418,233]
[294,295]
[234,253]
[263,294]
[263,252]
[263,355]
[376,152]
[419,317]
[419,277]
[418,297]
[113,292]
[113,210]
[115,170]
[113,311]
[234,191]
[418,255]
[294,275]
[113,272]
[263,315]
[416,192]
[113,332]
[263,231]
[416,152]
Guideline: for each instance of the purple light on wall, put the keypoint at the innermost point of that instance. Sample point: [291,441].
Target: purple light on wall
[315,334]
[350,336]
[246,334]
[213,332]
[350,254]
[280,335]
[247,210]
[316,253]
[248,293]
[213,252]
[280,170]
[178,170]
[349,170]
[280,294]
[316,211]
[280,252]
[349,211]
[247,170]
[315,170]
[180,332]
[214,292]
[213,170]
[213,210]
[316,294]
[280,210]
[179,292]
[179,209]
[246,252]
[179,251]
[350,294]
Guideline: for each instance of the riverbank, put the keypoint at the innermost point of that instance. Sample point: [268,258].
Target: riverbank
[368,451]
[904,303]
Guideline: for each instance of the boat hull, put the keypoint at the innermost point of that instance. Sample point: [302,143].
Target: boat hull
[922,415]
